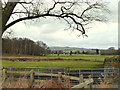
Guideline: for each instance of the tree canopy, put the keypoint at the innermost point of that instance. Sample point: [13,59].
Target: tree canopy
[76,13]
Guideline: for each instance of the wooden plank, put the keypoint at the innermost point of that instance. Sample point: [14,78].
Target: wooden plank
[59,76]
[31,81]
[90,83]
[71,77]
[19,72]
[4,75]
[81,85]
[56,75]
[44,74]
[81,79]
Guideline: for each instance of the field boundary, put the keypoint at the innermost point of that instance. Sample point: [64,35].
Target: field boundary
[82,82]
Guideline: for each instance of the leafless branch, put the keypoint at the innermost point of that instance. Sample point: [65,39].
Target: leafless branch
[61,10]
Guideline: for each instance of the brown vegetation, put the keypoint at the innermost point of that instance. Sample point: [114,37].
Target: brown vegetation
[24,83]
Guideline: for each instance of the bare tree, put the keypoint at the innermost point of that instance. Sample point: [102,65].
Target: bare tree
[76,13]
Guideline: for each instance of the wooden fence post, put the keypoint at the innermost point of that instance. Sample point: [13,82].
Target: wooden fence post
[66,78]
[59,76]
[32,73]
[81,79]
[90,83]
[4,75]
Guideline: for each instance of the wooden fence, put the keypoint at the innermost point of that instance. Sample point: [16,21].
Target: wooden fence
[82,82]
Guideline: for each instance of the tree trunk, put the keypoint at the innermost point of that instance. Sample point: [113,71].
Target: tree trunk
[6,13]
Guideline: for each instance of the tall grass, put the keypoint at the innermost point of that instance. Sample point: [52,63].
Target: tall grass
[24,83]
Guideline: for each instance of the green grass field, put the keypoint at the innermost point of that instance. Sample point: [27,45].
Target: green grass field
[63,64]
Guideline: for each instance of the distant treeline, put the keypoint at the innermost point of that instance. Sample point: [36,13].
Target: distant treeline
[24,46]
[95,51]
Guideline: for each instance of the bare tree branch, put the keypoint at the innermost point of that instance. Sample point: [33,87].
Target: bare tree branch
[25,9]
[60,9]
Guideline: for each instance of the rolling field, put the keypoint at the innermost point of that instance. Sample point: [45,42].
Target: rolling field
[59,63]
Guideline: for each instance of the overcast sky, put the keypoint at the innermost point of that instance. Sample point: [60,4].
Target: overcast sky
[51,31]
